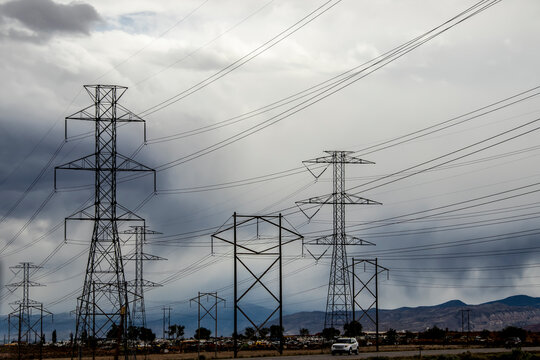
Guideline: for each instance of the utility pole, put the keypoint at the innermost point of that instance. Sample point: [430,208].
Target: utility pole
[166,320]
[207,311]
[463,311]
[27,323]
[104,299]
[338,303]
[239,233]
[138,312]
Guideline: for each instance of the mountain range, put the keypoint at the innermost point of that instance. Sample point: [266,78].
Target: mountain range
[520,310]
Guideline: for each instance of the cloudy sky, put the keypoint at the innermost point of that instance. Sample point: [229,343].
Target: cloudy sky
[236,94]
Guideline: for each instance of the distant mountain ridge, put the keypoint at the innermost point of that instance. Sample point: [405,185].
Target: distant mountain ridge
[518,300]
[520,310]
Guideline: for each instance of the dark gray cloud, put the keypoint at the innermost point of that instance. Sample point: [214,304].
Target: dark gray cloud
[45,17]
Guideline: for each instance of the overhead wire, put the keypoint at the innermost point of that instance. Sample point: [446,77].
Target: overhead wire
[311,16]
[190,54]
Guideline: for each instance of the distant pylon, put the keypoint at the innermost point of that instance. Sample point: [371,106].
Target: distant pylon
[138,312]
[27,322]
[166,321]
[103,304]
[211,311]
[339,299]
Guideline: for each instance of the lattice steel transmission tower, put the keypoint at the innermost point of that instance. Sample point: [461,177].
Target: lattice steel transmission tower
[138,312]
[28,324]
[339,300]
[104,299]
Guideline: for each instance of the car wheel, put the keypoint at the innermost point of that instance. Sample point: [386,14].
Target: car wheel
[350,352]
[333,353]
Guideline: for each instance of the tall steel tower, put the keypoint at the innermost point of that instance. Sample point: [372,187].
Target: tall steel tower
[103,304]
[138,312]
[339,299]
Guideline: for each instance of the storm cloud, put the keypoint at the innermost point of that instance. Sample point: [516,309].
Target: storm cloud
[46,17]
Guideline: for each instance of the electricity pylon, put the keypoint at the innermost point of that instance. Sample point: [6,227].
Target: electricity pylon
[207,310]
[28,324]
[138,312]
[103,304]
[269,258]
[369,285]
[166,321]
[339,300]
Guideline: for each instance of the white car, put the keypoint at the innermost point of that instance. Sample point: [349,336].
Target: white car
[345,346]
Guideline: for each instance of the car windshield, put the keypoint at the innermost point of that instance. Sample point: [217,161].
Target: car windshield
[345,341]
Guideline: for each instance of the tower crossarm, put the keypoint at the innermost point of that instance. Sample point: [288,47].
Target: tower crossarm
[329,240]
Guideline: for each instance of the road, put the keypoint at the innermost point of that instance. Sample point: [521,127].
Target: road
[395,354]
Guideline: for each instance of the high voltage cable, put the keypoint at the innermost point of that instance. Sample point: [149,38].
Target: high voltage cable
[385,222]
[452,153]
[474,268]
[34,182]
[197,233]
[458,226]
[207,43]
[164,166]
[443,156]
[246,58]
[394,220]
[473,7]
[351,79]
[153,40]
[451,122]
[457,243]
[403,283]
[25,226]
[304,93]
[468,254]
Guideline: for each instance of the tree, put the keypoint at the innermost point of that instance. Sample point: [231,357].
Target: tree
[133,332]
[354,328]
[176,331]
[330,333]
[112,334]
[434,333]
[202,333]
[146,335]
[249,332]
[304,332]
[263,332]
[391,336]
[53,336]
[276,331]
[512,331]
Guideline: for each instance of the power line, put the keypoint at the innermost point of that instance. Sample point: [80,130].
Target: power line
[320,10]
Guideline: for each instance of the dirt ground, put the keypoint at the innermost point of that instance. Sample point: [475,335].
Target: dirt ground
[12,354]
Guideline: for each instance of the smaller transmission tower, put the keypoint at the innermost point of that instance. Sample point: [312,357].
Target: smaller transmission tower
[338,303]
[212,313]
[369,286]
[29,324]
[138,313]
[240,233]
